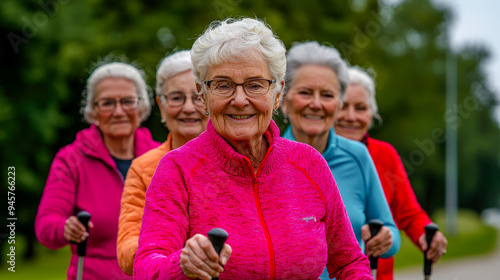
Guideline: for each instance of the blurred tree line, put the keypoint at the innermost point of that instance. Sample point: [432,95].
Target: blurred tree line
[48,48]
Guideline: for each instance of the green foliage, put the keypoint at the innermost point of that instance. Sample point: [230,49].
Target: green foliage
[409,57]
[49,265]
[49,47]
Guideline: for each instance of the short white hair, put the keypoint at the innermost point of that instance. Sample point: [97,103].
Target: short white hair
[314,53]
[116,70]
[360,77]
[170,66]
[225,40]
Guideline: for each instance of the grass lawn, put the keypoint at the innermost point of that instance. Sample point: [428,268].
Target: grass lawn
[48,265]
[474,238]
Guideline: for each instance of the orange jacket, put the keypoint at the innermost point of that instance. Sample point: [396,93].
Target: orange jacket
[132,204]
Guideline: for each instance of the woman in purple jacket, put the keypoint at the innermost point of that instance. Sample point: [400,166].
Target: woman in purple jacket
[276,198]
[89,173]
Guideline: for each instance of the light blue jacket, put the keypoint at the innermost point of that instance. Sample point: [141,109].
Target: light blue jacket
[359,185]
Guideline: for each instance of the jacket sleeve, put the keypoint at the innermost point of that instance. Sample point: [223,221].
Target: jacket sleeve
[405,208]
[165,225]
[57,202]
[129,223]
[345,258]
[376,205]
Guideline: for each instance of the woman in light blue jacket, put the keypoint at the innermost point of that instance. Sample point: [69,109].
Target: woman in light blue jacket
[316,79]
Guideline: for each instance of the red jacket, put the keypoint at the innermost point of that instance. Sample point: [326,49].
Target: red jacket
[406,210]
[83,176]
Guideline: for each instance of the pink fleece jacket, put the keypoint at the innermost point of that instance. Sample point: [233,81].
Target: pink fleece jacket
[287,221]
[83,176]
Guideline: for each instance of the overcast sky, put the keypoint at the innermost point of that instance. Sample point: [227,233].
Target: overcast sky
[478,22]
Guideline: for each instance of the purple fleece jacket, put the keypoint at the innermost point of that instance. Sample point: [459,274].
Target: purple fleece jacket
[287,221]
[83,176]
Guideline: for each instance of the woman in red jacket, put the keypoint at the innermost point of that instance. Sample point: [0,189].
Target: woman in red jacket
[354,120]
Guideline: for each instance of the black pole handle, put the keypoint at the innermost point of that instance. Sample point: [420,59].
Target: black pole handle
[217,236]
[84,218]
[430,230]
[375,226]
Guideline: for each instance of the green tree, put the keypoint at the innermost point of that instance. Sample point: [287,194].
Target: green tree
[409,57]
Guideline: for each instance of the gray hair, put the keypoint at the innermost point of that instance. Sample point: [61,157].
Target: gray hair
[116,70]
[225,40]
[170,66]
[314,53]
[359,76]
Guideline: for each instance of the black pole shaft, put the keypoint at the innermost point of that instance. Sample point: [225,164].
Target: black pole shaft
[430,230]
[217,236]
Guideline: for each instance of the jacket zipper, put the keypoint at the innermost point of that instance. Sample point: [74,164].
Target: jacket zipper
[261,215]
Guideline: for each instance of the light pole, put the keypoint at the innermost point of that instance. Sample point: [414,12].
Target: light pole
[451,135]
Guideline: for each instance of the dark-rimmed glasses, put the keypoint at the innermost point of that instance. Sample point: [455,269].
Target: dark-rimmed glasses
[107,105]
[177,99]
[226,88]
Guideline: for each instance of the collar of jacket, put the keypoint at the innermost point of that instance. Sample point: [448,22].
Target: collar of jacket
[331,142]
[90,143]
[222,154]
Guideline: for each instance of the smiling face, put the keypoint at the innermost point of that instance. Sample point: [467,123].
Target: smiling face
[355,117]
[312,102]
[187,121]
[117,123]
[240,117]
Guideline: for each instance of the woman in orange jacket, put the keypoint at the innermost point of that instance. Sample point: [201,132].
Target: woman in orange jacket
[183,113]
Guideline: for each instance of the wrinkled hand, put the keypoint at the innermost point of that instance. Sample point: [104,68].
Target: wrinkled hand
[75,231]
[200,260]
[379,244]
[438,246]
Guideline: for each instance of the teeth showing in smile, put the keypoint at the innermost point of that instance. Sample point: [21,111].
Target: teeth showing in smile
[313,117]
[240,117]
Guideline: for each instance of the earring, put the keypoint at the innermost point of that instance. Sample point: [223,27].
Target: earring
[206,113]
[335,122]
[285,119]
[275,112]
[163,120]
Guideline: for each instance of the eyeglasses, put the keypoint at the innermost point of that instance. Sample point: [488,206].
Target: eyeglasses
[176,99]
[108,105]
[226,88]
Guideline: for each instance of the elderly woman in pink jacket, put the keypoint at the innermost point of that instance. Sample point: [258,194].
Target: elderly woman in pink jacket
[276,198]
[89,173]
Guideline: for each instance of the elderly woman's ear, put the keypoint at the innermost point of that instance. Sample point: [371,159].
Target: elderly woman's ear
[202,96]
[283,104]
[278,96]
[198,88]
[95,121]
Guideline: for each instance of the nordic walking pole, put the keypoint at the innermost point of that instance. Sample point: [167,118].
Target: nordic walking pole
[430,230]
[375,226]
[83,217]
[217,236]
